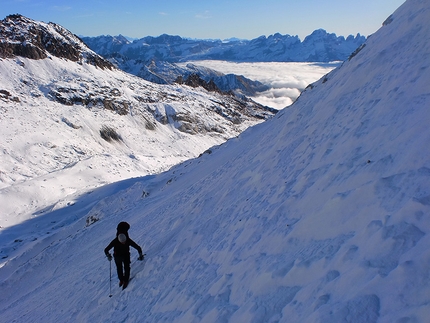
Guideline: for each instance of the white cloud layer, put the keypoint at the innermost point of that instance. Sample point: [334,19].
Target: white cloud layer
[286,80]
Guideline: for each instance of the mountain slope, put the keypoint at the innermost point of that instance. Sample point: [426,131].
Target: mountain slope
[318,215]
[21,36]
[67,113]
[169,73]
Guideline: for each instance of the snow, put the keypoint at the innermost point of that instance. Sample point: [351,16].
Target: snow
[317,215]
[43,161]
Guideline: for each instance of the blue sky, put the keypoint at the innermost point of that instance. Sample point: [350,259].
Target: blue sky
[207,19]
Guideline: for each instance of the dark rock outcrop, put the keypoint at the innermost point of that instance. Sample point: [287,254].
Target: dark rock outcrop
[21,36]
[195,80]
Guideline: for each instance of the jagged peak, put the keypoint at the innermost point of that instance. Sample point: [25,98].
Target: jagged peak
[25,37]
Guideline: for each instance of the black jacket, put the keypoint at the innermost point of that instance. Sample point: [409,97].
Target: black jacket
[122,250]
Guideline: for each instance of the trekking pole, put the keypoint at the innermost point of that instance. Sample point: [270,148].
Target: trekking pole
[110,278]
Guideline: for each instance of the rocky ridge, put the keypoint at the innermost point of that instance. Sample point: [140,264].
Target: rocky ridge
[162,72]
[21,36]
[320,46]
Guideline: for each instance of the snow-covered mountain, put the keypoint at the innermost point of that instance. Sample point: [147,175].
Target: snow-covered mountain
[320,46]
[65,111]
[163,72]
[21,36]
[154,58]
[320,214]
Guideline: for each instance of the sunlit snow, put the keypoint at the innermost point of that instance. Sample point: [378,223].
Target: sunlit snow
[320,214]
[52,151]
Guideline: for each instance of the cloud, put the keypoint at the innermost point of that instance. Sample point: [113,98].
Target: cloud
[286,80]
[278,98]
[204,15]
[163,13]
[277,103]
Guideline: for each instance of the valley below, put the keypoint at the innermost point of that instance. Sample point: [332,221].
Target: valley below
[285,80]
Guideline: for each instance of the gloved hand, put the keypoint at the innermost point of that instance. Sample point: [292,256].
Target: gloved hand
[140,257]
[109,257]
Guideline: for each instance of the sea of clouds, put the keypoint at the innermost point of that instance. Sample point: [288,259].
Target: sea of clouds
[286,80]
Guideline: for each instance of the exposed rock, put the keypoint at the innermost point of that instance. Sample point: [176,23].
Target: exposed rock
[6,95]
[70,124]
[21,36]
[108,133]
[195,80]
[121,107]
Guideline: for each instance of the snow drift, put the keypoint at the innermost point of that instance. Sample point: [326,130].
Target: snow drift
[317,215]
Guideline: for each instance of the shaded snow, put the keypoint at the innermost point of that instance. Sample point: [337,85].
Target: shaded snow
[317,215]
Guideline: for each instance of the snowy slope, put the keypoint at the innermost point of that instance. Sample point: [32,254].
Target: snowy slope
[317,215]
[53,109]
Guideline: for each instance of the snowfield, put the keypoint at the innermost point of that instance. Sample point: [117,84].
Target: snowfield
[52,150]
[320,214]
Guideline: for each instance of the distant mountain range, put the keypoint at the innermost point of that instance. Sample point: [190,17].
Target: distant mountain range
[320,46]
[154,58]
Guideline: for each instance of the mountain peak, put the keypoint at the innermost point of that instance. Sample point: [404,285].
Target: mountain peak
[320,46]
[22,36]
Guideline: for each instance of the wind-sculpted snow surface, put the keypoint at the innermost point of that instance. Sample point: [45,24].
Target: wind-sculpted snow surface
[317,215]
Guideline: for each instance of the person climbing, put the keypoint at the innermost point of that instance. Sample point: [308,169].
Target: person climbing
[121,253]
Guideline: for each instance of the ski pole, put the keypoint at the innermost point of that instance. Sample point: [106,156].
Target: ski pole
[110,278]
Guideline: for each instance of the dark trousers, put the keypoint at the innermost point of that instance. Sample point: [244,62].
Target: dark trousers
[123,267]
